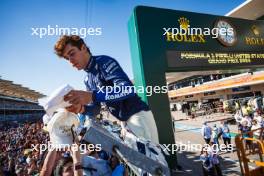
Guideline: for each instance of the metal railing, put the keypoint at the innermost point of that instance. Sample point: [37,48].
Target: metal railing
[250,150]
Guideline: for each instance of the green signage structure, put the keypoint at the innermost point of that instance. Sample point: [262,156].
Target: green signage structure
[163,40]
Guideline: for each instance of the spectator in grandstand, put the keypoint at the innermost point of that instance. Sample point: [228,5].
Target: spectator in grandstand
[32,168]
[19,172]
[118,169]
[62,166]
[206,132]
[11,164]
[14,142]
[105,73]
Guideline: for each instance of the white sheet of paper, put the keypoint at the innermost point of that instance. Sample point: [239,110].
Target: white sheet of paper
[55,100]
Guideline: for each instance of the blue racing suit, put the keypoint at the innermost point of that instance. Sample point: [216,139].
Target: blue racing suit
[107,80]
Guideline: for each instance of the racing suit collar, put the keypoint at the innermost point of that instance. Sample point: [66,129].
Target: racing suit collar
[89,64]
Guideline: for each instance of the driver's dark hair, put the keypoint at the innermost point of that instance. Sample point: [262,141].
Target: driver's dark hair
[74,40]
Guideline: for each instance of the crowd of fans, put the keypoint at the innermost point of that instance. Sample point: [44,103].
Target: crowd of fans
[19,158]
[248,116]
[248,119]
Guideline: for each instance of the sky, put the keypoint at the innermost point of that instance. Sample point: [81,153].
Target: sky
[30,60]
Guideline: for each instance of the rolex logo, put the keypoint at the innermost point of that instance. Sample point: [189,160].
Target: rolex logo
[184,23]
[255,30]
[257,39]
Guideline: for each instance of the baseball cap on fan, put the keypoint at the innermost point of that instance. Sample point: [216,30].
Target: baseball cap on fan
[62,127]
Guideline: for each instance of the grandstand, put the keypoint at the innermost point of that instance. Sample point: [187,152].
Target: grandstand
[18,103]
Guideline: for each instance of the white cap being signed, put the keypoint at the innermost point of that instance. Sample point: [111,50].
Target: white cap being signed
[62,127]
